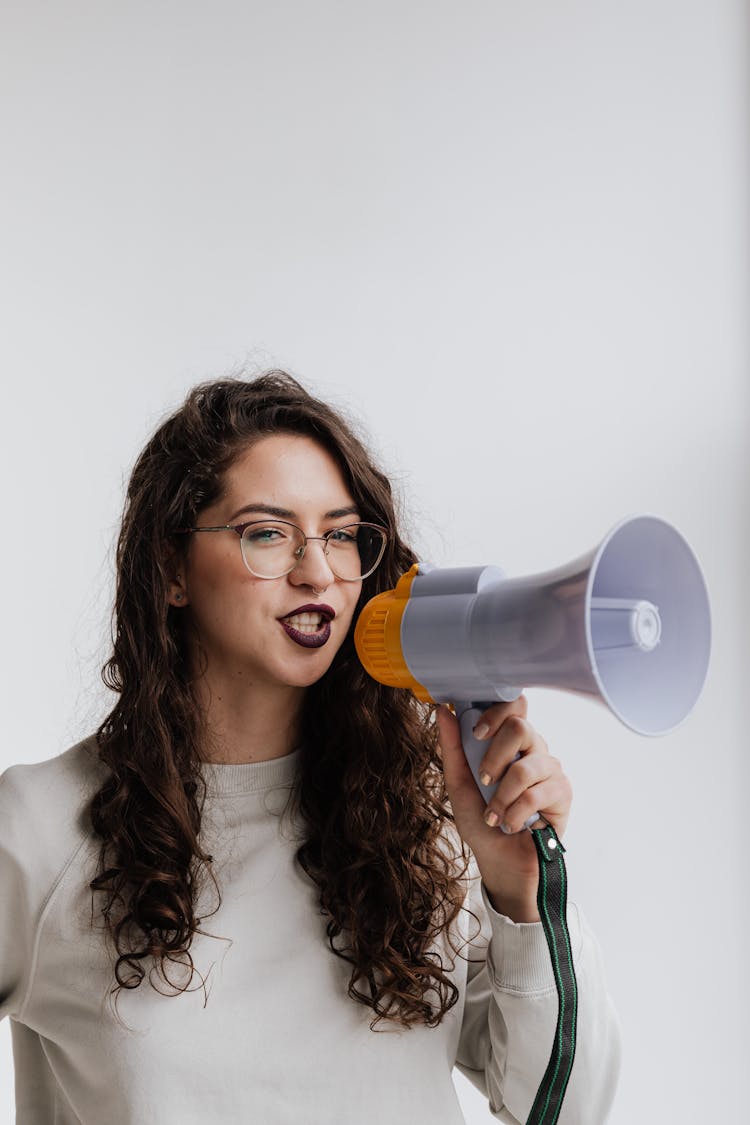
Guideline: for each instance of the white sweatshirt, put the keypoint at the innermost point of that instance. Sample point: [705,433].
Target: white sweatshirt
[277,1041]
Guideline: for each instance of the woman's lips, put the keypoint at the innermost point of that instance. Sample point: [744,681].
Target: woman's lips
[308,640]
[309,625]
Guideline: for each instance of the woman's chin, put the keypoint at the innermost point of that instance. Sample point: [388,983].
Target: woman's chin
[313,677]
[309,674]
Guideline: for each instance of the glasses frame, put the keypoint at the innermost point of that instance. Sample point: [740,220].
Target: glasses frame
[240,529]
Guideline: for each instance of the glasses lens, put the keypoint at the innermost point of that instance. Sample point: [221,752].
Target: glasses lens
[271,549]
[355,551]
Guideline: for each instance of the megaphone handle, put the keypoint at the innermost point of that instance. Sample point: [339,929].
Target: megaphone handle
[469,715]
[552,904]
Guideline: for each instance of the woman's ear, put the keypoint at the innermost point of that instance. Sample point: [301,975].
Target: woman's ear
[177,595]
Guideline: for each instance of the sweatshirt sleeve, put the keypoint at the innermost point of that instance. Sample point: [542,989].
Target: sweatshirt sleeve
[15,908]
[510,1016]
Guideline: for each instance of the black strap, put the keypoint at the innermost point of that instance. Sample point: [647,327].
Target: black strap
[551,902]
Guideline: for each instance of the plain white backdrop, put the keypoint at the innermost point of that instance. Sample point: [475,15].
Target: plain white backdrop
[509,238]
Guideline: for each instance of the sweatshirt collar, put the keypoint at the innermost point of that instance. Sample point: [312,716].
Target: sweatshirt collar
[227,779]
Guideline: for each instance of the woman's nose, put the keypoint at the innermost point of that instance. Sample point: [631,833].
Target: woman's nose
[313,568]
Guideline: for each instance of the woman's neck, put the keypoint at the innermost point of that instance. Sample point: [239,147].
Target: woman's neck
[248,723]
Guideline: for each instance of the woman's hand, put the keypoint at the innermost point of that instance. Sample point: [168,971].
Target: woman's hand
[535,783]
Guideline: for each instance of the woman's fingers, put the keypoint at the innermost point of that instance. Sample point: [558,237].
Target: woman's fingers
[496,715]
[515,736]
[551,795]
[529,779]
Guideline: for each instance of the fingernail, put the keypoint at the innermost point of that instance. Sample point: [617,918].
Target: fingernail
[485,778]
[481,731]
[491,818]
[506,828]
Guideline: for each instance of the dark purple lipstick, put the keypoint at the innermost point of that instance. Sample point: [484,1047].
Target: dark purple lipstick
[306,638]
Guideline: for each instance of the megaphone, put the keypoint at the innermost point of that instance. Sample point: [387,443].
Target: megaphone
[627,624]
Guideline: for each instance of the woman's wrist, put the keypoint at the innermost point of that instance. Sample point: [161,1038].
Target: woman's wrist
[518,906]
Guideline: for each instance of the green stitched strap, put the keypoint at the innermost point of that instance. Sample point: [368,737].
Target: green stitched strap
[551,903]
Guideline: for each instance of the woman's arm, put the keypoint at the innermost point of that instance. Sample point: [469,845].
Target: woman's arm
[510,1016]
[15,926]
[511,1000]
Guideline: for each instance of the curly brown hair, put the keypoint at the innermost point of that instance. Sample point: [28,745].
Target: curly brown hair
[370,787]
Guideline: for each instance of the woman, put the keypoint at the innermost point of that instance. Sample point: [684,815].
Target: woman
[251,772]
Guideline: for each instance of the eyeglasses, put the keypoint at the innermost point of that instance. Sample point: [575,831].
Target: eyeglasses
[273,548]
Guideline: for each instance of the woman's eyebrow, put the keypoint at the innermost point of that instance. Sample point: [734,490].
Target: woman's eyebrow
[286,514]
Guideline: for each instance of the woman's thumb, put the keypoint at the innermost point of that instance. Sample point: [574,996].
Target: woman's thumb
[455,766]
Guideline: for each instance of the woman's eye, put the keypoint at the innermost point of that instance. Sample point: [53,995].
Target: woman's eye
[265,535]
[342,536]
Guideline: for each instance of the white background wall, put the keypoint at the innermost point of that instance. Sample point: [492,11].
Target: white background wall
[508,236]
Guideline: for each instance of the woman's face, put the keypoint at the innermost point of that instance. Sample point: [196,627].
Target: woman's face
[238,616]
